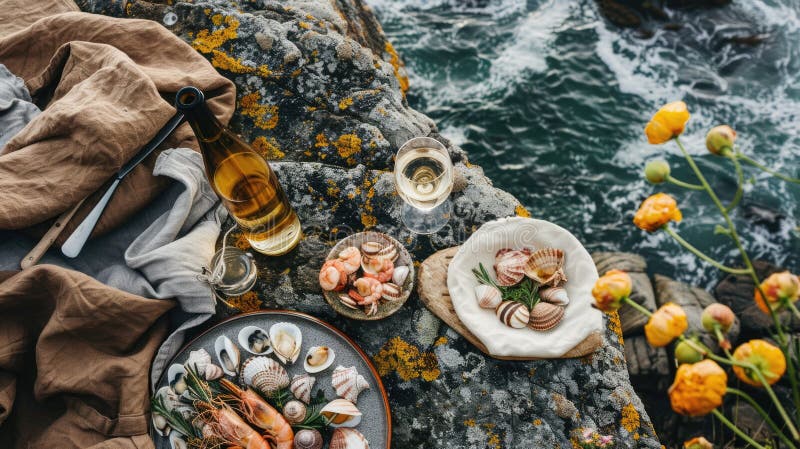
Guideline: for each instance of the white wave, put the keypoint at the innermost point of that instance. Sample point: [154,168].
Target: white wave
[493,8]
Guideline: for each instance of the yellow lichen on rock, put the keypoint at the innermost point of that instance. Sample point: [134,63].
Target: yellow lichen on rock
[394,60]
[320,141]
[206,42]
[521,211]
[630,418]
[347,145]
[345,103]
[265,116]
[368,220]
[223,61]
[407,361]
[615,325]
[247,302]
[268,148]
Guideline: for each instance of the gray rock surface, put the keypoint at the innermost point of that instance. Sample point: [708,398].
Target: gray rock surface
[632,321]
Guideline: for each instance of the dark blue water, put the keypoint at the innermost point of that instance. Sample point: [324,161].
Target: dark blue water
[551,99]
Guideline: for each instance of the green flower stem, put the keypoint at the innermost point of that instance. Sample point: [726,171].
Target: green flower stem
[764,414]
[683,184]
[781,410]
[793,308]
[701,255]
[736,430]
[739,182]
[721,339]
[637,306]
[745,158]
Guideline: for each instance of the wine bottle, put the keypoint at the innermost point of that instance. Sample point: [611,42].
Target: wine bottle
[242,179]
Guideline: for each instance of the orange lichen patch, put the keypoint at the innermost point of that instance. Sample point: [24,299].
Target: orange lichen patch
[268,148]
[531,372]
[493,440]
[397,64]
[265,116]
[615,325]
[296,73]
[345,103]
[206,41]
[347,145]
[407,361]
[368,220]
[537,422]
[304,25]
[321,141]
[264,71]
[248,302]
[630,418]
[440,341]
[223,61]
[636,436]
[521,211]
[216,19]
[469,422]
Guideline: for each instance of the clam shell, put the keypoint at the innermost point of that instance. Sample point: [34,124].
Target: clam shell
[318,358]
[371,265]
[400,274]
[176,441]
[213,372]
[509,266]
[348,383]
[513,314]
[546,266]
[348,439]
[160,424]
[371,249]
[176,377]
[555,295]
[200,362]
[227,354]
[489,297]
[286,340]
[392,292]
[545,316]
[173,401]
[387,252]
[307,439]
[294,411]
[264,374]
[254,340]
[348,302]
[342,413]
[301,386]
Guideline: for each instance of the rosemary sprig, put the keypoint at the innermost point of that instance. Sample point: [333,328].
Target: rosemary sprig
[174,418]
[314,419]
[526,292]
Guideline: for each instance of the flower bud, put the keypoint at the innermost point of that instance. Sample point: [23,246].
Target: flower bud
[767,358]
[665,325]
[718,314]
[611,289]
[656,171]
[686,353]
[698,443]
[720,139]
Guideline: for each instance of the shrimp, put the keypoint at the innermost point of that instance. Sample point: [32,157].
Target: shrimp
[384,274]
[351,259]
[222,423]
[367,291]
[262,415]
[332,275]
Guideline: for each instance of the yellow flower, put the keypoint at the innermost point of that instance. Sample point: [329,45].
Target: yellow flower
[656,211]
[767,358]
[610,289]
[698,443]
[698,388]
[666,324]
[720,139]
[667,123]
[779,289]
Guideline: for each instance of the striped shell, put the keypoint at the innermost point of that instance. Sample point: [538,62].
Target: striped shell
[294,412]
[348,439]
[545,316]
[307,439]
[488,297]
[387,252]
[348,383]
[349,302]
[512,314]
[546,266]
[391,291]
[555,295]
[371,249]
[509,266]
[264,374]
[301,386]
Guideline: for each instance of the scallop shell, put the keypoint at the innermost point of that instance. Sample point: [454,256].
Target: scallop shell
[213,372]
[489,297]
[348,302]
[546,266]
[318,358]
[371,265]
[301,386]
[264,374]
[387,252]
[400,274]
[513,314]
[391,291]
[348,439]
[286,340]
[342,413]
[254,340]
[555,295]
[371,249]
[545,316]
[509,266]
[348,383]
[307,439]
[227,354]
[294,411]
[176,441]
[176,377]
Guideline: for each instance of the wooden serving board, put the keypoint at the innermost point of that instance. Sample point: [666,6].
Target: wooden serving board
[432,289]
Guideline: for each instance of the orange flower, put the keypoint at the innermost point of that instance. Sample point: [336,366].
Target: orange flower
[698,388]
[767,358]
[720,139]
[657,211]
[779,288]
[698,443]
[610,289]
[666,324]
[717,314]
[667,123]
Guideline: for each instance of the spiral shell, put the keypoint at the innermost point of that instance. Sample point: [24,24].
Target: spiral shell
[509,266]
[294,412]
[213,372]
[400,274]
[555,295]
[307,439]
[301,386]
[341,413]
[391,291]
[513,314]
[545,316]
[348,383]
[488,296]
[264,374]
[348,439]
[546,266]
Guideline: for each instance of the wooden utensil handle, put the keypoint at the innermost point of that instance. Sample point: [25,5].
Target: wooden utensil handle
[33,257]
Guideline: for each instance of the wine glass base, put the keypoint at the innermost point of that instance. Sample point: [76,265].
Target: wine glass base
[426,221]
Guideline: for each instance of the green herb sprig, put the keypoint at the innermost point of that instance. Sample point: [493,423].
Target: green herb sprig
[526,292]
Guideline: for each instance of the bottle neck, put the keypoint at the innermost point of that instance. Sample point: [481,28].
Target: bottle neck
[191,101]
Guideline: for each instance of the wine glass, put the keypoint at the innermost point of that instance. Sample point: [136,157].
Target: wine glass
[423,176]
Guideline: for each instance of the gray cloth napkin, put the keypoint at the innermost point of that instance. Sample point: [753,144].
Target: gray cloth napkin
[16,109]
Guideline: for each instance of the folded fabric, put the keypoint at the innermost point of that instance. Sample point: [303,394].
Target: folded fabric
[16,107]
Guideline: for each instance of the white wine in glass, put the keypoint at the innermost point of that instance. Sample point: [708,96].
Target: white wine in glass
[424,179]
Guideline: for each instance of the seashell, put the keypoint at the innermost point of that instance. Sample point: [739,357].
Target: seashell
[348,301]
[286,340]
[400,274]
[160,424]
[509,266]
[388,252]
[294,411]
[301,386]
[173,401]
[392,292]
[264,374]
[371,266]
[176,441]
[318,358]
[200,362]
[371,249]
[546,266]
[254,340]
[213,372]
[513,314]
[545,316]
[489,297]
[348,383]
[341,413]
[348,439]
[227,354]
[176,378]
[351,259]
[555,295]
[307,439]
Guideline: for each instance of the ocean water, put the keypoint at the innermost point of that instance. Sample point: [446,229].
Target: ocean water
[551,99]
